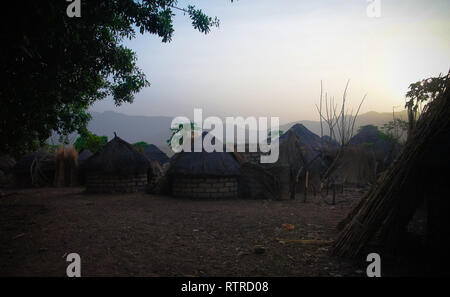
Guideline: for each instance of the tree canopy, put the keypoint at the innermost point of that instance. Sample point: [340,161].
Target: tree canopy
[90,141]
[54,67]
[424,91]
[394,130]
[140,145]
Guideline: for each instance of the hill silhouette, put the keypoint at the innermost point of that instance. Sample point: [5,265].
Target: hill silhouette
[155,129]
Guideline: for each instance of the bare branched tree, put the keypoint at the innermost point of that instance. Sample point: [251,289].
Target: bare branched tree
[341,124]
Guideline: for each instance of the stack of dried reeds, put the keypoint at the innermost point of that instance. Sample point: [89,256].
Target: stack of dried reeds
[66,167]
[390,205]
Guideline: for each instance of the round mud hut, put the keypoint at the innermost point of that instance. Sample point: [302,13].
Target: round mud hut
[118,168]
[35,169]
[153,153]
[204,175]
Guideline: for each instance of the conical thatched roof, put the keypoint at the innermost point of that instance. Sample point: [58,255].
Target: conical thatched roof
[370,137]
[153,153]
[204,163]
[310,142]
[118,157]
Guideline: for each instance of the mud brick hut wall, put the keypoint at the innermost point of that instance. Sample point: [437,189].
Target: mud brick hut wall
[205,187]
[97,183]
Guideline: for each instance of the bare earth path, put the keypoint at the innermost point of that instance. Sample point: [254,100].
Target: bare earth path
[147,235]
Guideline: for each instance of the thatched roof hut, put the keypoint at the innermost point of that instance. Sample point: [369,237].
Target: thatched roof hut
[35,169]
[371,139]
[356,167]
[204,175]
[369,136]
[310,142]
[118,167]
[153,153]
[204,164]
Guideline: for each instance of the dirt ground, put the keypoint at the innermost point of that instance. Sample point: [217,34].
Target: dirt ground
[147,235]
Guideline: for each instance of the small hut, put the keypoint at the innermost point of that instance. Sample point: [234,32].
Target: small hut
[356,167]
[118,167]
[204,175]
[310,143]
[153,153]
[35,169]
[370,138]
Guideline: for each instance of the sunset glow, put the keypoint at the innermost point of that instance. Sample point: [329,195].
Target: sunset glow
[268,58]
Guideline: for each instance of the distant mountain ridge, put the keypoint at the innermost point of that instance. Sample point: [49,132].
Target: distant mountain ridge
[156,129]
[369,118]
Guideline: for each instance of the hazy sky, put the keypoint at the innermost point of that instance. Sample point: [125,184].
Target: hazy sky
[268,57]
